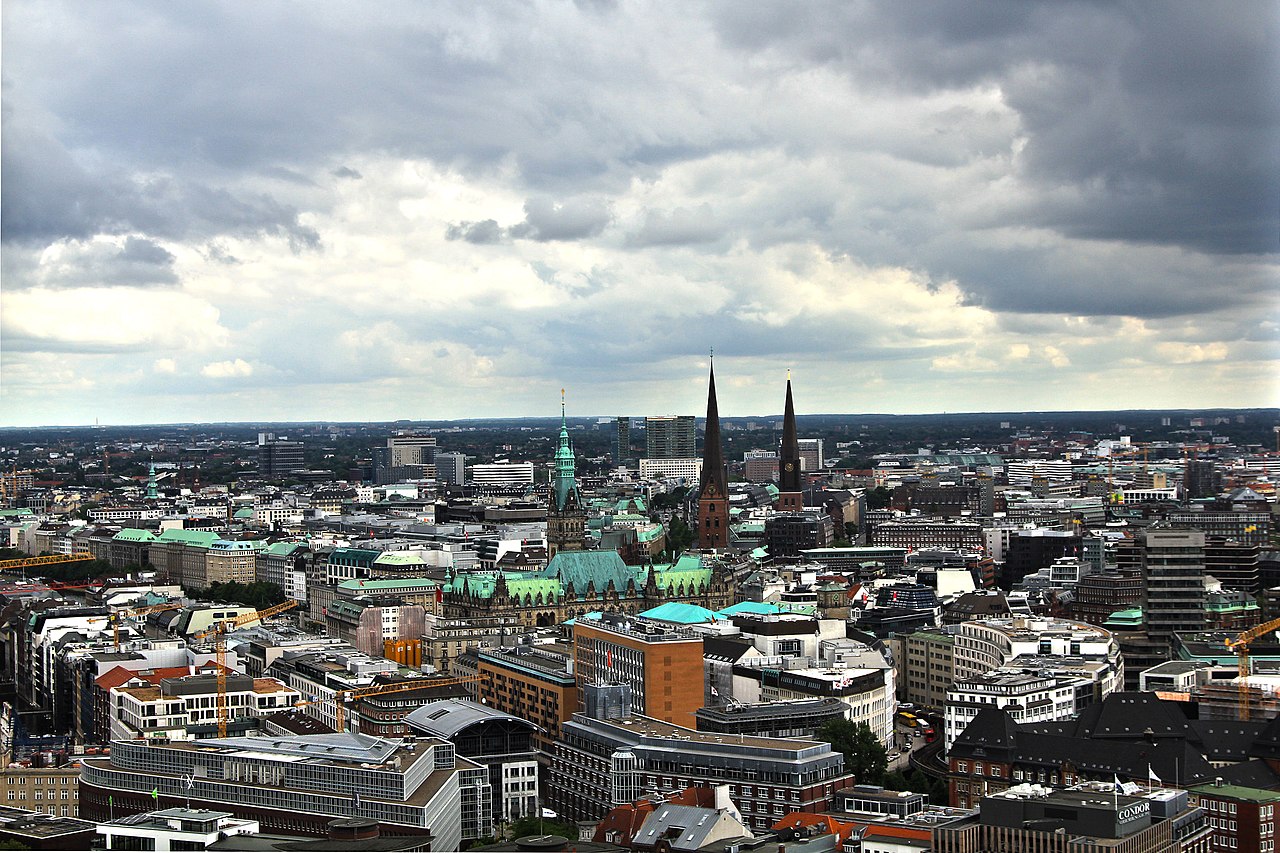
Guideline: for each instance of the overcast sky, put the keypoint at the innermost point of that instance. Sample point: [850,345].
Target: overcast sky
[373,211]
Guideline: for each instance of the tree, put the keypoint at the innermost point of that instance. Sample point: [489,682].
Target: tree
[534,825]
[878,498]
[864,756]
[679,537]
[913,780]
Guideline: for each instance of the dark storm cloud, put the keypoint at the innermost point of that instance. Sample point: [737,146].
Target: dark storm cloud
[1143,124]
[46,195]
[346,172]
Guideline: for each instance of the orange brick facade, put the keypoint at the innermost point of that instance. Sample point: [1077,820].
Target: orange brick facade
[664,670]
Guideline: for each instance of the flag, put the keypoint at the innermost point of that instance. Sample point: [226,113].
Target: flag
[111,801]
[609,656]
[1151,774]
[355,799]
[155,794]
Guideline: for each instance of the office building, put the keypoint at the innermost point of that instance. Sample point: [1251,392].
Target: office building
[786,534]
[670,437]
[451,468]
[166,830]
[760,466]
[925,666]
[297,785]
[1243,819]
[1173,576]
[600,764]
[44,790]
[811,454]
[987,644]
[531,683]
[1200,479]
[792,718]
[278,457]
[500,741]
[654,658]
[404,457]
[622,456]
[689,470]
[1090,817]
[502,474]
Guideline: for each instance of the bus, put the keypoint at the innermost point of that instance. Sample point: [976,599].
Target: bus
[930,735]
[908,719]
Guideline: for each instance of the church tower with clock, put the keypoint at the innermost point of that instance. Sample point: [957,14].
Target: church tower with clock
[790,488]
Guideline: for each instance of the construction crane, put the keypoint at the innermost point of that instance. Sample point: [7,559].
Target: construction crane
[342,696]
[129,612]
[219,632]
[1240,645]
[47,560]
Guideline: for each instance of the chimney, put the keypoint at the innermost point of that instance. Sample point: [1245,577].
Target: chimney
[722,802]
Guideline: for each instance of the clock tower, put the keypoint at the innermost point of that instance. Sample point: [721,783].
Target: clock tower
[790,489]
[713,491]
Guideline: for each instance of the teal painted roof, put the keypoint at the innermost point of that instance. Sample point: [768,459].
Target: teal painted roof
[680,613]
[133,534]
[7,513]
[247,512]
[199,538]
[650,533]
[583,567]
[754,607]
[759,553]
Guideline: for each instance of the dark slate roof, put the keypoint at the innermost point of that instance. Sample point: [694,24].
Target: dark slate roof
[1267,744]
[718,648]
[444,718]
[1227,740]
[1251,774]
[1129,715]
[990,728]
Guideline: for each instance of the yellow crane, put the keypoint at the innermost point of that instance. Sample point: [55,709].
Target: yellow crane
[47,560]
[129,612]
[219,632]
[342,696]
[1240,645]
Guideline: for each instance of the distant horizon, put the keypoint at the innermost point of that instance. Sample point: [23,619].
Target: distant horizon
[1275,411]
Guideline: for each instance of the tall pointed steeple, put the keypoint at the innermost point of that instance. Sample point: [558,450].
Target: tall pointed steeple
[790,495]
[713,492]
[152,492]
[566,517]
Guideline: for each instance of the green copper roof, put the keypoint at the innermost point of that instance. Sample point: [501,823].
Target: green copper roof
[133,534]
[1125,618]
[199,538]
[583,567]
[237,545]
[283,549]
[518,586]
[563,480]
[680,613]
[649,532]
[361,557]
[247,512]
[397,584]
[1236,792]
[7,513]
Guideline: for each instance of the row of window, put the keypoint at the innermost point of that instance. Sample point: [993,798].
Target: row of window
[38,795]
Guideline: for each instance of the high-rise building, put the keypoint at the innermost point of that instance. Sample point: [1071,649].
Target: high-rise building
[790,490]
[622,442]
[713,491]
[567,516]
[1173,574]
[405,457]
[670,437]
[811,454]
[1200,479]
[451,468]
[278,456]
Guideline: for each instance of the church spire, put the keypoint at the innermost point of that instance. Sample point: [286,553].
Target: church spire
[790,497]
[713,492]
[566,517]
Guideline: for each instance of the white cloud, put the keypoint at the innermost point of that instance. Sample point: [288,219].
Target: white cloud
[165,365]
[227,369]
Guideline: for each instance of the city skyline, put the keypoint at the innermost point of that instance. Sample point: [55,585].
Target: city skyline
[276,213]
